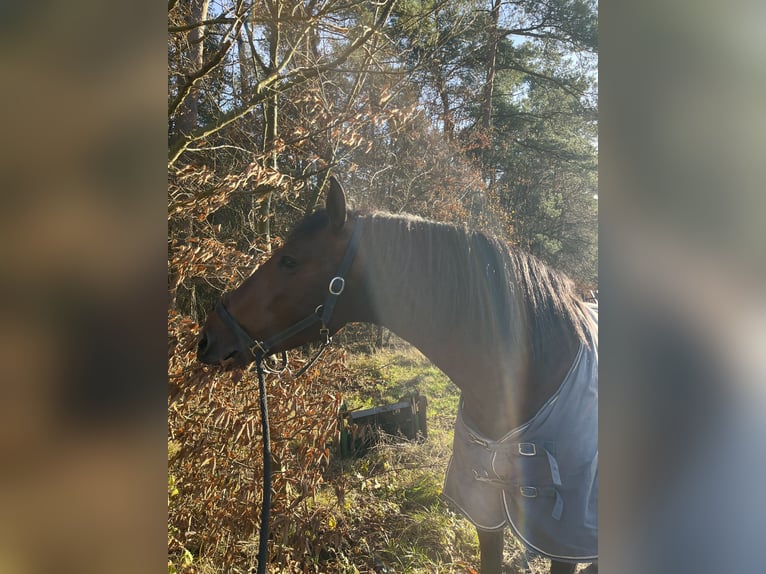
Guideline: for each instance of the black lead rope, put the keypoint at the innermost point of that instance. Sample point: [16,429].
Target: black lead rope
[263,541]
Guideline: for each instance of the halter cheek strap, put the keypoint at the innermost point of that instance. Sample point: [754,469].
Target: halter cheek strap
[322,314]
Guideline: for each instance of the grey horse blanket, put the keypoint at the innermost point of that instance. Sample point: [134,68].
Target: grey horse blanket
[541,479]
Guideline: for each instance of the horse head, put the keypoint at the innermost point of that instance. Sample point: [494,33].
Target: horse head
[285,302]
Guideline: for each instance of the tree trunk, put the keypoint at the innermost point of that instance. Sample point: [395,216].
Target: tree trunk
[489,84]
[449,124]
[186,120]
[270,110]
[244,67]
[263,220]
[489,87]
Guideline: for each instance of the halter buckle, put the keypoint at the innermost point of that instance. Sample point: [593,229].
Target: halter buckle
[527,449]
[259,346]
[528,491]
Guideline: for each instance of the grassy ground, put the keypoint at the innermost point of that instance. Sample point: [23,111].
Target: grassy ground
[399,483]
[388,502]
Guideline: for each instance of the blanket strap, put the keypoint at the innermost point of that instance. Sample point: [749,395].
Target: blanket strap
[525,449]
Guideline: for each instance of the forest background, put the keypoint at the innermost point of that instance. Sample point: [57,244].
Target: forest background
[475,112]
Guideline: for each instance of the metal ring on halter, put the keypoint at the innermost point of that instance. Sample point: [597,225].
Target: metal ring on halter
[276,370]
[332,286]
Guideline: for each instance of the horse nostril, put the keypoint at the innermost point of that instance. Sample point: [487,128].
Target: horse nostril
[202,345]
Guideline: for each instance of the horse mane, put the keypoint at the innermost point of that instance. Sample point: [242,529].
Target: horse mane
[507,292]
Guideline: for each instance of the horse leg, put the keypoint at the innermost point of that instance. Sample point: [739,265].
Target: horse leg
[491,547]
[562,567]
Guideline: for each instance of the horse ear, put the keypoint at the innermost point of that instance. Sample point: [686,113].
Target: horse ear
[336,205]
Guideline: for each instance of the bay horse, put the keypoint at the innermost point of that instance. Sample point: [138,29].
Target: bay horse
[509,331]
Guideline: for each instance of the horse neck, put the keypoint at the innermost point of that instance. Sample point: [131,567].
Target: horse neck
[405,280]
[401,276]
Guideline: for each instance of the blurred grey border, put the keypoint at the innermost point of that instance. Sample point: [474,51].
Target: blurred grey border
[682,261]
[83,318]
[83,336]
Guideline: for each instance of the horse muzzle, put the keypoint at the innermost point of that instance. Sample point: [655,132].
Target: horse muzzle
[211,352]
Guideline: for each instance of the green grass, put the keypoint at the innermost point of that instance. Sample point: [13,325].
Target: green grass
[390,507]
[386,376]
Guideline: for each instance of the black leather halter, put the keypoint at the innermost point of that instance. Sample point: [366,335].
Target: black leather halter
[257,350]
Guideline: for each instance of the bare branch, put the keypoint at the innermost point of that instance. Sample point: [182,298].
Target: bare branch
[193,25]
[209,66]
[297,77]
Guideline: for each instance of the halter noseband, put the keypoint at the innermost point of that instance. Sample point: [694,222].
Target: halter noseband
[322,314]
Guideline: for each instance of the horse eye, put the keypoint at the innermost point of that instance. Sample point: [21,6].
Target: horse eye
[287,262]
